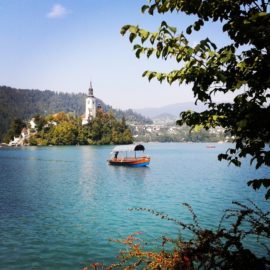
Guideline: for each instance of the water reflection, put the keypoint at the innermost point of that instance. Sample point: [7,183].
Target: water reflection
[87,172]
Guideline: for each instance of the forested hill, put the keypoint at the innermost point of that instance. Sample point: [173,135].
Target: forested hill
[23,104]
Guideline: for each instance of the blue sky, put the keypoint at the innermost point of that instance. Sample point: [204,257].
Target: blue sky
[62,45]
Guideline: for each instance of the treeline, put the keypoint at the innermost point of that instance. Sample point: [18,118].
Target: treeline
[66,129]
[23,104]
[131,116]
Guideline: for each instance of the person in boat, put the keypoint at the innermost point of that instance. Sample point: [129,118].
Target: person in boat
[116,154]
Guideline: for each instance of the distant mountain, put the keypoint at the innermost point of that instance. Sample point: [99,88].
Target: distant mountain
[24,104]
[173,109]
[164,118]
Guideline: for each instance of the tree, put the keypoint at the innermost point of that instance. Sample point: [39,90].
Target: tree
[240,67]
[64,133]
[67,129]
[39,121]
[14,130]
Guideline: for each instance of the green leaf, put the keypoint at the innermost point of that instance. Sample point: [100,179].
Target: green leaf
[144,35]
[153,37]
[198,128]
[133,29]
[179,57]
[213,45]
[138,52]
[132,37]
[149,52]
[124,29]
[151,76]
[160,77]
[146,73]
[144,8]
[165,52]
[136,46]
[189,30]
[173,29]
[197,26]
[257,183]
[151,10]
[163,24]
[222,156]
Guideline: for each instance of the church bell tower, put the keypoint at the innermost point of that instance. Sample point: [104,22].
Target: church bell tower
[90,106]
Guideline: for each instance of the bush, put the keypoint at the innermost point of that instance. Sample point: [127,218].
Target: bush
[221,248]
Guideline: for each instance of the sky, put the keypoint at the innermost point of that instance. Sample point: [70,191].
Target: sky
[62,45]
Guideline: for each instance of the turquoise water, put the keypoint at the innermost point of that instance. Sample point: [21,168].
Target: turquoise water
[60,205]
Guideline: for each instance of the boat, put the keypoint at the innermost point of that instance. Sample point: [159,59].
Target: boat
[120,156]
[210,146]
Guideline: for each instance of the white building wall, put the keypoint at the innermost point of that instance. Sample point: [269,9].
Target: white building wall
[90,110]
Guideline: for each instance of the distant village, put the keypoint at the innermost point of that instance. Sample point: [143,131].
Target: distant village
[173,133]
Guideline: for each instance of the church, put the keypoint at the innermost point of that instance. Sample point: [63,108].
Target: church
[90,106]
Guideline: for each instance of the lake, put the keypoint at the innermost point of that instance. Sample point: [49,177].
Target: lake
[59,206]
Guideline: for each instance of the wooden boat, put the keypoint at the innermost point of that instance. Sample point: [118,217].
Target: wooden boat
[210,146]
[124,160]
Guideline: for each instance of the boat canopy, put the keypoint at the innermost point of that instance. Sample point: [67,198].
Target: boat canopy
[128,148]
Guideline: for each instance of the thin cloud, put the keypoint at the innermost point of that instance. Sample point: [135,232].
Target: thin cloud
[57,11]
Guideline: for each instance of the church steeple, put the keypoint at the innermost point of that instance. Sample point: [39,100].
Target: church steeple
[90,106]
[90,90]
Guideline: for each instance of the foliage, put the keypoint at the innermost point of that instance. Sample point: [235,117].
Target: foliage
[39,121]
[209,249]
[24,104]
[132,117]
[66,129]
[239,67]
[14,130]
